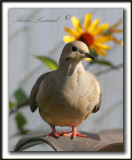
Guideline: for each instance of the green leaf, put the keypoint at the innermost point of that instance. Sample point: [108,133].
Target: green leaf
[93,52]
[103,62]
[20,96]
[24,131]
[107,32]
[11,104]
[20,120]
[48,62]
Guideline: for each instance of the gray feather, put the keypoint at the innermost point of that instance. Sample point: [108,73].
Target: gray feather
[34,91]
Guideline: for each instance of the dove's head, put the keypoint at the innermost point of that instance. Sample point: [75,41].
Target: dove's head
[74,52]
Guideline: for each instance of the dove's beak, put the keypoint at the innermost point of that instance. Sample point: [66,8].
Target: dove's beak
[88,55]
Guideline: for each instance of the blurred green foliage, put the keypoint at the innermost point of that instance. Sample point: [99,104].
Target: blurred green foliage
[103,62]
[11,104]
[107,32]
[93,52]
[48,62]
[21,121]
[20,96]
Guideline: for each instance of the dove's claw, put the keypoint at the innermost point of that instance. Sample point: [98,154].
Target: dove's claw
[56,135]
[74,133]
[62,133]
[80,135]
[47,135]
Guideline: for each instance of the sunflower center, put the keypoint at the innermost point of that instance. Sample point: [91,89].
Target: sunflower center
[87,38]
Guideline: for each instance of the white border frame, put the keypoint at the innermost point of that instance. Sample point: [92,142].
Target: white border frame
[6,5]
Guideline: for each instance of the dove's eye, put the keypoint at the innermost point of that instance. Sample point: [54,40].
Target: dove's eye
[74,49]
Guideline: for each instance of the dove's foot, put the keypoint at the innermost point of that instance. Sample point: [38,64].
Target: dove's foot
[54,133]
[74,133]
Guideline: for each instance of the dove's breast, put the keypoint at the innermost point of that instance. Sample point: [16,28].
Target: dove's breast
[69,100]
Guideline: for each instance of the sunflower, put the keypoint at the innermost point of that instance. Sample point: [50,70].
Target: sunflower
[91,34]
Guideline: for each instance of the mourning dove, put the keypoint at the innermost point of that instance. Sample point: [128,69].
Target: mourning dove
[68,95]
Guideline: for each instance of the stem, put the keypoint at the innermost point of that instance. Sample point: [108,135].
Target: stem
[18,107]
[109,69]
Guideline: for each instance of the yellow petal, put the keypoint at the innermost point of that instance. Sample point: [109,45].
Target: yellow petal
[116,25]
[76,24]
[93,26]
[116,40]
[101,46]
[122,42]
[103,39]
[68,39]
[88,59]
[87,21]
[71,31]
[98,50]
[101,29]
[118,31]
[101,52]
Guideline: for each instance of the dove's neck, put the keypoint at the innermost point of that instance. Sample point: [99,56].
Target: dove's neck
[71,69]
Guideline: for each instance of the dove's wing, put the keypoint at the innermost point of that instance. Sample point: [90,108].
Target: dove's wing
[97,106]
[34,91]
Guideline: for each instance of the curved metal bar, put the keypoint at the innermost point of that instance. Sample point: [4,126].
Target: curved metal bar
[104,141]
